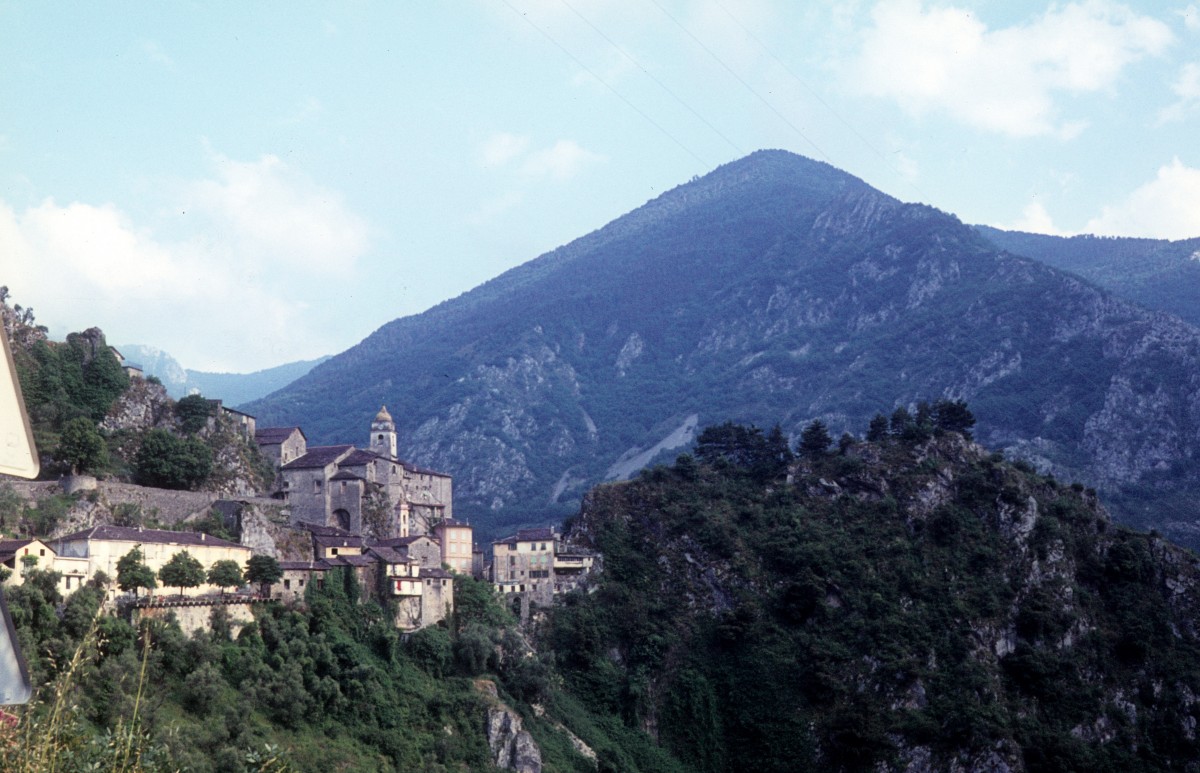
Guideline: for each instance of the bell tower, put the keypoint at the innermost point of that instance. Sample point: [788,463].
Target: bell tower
[383,434]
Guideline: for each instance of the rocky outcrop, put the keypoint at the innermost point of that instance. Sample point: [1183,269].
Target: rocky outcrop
[144,405]
[512,747]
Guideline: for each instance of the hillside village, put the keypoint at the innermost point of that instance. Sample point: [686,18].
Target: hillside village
[385,521]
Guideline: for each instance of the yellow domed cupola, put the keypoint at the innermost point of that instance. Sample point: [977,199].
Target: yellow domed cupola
[383,434]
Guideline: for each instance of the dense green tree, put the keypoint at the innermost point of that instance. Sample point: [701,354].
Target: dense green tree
[263,570]
[225,573]
[183,570]
[734,445]
[953,416]
[193,413]
[165,461]
[877,431]
[901,422]
[815,440]
[132,572]
[81,446]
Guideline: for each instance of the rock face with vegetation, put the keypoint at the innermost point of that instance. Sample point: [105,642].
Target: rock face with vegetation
[773,289]
[908,604]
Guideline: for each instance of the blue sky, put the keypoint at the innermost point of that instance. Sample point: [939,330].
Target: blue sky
[247,184]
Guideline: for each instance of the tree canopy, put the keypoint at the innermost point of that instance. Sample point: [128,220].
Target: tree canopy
[225,573]
[81,446]
[132,572]
[193,412]
[166,461]
[738,446]
[263,570]
[182,571]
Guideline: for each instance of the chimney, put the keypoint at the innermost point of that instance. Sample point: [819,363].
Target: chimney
[203,536]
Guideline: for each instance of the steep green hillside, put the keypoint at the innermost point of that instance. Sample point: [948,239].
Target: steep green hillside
[774,288]
[902,605]
[1156,273]
[324,685]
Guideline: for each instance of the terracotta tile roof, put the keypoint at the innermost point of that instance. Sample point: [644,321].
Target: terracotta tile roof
[360,458]
[8,546]
[338,541]
[335,561]
[403,542]
[528,535]
[423,471]
[317,457]
[301,565]
[267,436]
[148,536]
[388,555]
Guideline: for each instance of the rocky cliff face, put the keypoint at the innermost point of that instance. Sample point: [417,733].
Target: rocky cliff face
[774,289]
[904,606]
[512,747]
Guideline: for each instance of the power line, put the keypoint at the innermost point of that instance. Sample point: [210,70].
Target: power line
[745,85]
[607,85]
[651,76]
[817,96]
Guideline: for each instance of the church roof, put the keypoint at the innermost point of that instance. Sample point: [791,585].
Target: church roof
[270,436]
[318,456]
[383,414]
[360,457]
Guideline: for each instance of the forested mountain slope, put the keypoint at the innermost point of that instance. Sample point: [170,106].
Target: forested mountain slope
[911,605]
[1159,274]
[774,288]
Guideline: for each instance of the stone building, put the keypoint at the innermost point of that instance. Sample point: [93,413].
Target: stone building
[422,592]
[101,547]
[534,566]
[281,444]
[365,491]
[72,571]
[457,545]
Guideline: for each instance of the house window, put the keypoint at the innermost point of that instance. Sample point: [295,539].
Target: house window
[287,584]
[316,486]
[41,552]
[302,583]
[333,551]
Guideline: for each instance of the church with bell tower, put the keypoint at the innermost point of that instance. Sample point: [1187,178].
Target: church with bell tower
[383,434]
[367,491]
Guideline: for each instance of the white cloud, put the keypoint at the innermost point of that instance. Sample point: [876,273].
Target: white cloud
[944,59]
[1187,90]
[306,110]
[278,214]
[243,284]
[1191,17]
[501,148]
[494,207]
[561,161]
[157,54]
[1034,219]
[1167,207]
